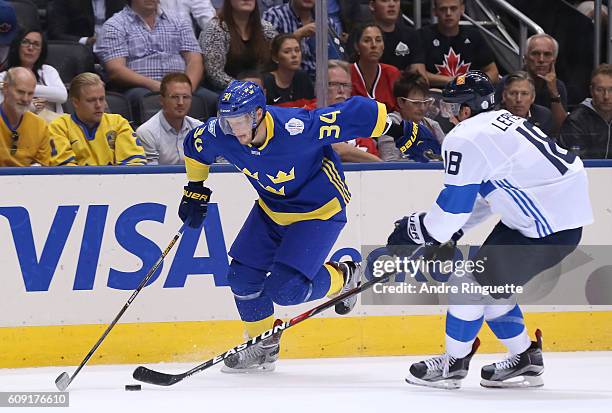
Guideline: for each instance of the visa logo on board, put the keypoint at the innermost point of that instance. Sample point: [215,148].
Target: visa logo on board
[38,272]
[39,267]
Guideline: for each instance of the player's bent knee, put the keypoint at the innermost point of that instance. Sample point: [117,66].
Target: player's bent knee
[287,286]
[244,280]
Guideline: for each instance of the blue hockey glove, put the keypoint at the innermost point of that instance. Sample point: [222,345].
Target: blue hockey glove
[194,204]
[415,141]
[410,234]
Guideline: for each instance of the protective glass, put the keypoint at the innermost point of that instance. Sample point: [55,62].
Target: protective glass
[236,125]
[448,110]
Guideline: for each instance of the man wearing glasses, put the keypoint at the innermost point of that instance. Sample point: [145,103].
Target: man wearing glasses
[24,137]
[162,136]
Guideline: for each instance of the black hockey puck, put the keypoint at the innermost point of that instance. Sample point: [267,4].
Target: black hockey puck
[133,387]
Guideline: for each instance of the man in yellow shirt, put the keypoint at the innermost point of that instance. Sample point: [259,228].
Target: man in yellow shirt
[24,137]
[90,136]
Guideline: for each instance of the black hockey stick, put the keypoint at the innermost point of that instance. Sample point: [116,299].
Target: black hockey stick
[163,379]
[63,380]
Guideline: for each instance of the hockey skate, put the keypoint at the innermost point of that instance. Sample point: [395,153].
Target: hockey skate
[526,368]
[442,372]
[350,272]
[259,358]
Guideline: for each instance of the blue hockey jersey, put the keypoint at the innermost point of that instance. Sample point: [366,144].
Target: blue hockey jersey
[296,173]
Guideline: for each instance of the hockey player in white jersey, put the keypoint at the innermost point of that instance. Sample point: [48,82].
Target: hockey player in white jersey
[501,164]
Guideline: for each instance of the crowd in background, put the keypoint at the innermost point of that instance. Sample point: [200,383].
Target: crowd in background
[158,67]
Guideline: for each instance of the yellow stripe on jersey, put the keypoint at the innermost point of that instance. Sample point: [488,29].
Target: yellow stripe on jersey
[323,213]
[340,179]
[331,179]
[334,177]
[269,131]
[336,281]
[381,121]
[333,182]
[255,328]
[196,171]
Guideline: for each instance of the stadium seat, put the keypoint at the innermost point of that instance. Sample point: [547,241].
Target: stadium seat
[117,103]
[27,14]
[69,58]
[150,105]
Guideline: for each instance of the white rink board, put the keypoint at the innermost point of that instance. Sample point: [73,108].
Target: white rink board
[379,197]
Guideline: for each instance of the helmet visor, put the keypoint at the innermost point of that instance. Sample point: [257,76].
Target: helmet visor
[448,110]
[238,125]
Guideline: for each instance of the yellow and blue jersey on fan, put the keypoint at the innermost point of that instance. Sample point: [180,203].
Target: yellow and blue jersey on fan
[111,142]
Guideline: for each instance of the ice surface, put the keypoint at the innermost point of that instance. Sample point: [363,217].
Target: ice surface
[573,382]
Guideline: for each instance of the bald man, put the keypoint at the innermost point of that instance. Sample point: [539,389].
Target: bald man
[24,137]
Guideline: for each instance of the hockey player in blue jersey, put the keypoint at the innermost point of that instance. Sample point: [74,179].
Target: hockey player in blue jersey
[497,163]
[278,255]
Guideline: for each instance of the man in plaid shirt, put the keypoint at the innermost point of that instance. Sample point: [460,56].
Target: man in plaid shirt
[297,17]
[142,43]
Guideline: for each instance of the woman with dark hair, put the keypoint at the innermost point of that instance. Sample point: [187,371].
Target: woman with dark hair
[371,78]
[287,82]
[235,41]
[414,101]
[29,50]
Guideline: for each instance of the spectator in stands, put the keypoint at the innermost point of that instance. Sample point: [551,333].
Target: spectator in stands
[338,90]
[201,11]
[29,50]
[90,136]
[142,43]
[24,137]
[542,51]
[80,20]
[8,22]
[451,50]
[518,97]
[162,136]
[287,82]
[297,17]
[369,77]
[413,99]
[264,5]
[588,129]
[237,40]
[540,58]
[402,46]
[344,16]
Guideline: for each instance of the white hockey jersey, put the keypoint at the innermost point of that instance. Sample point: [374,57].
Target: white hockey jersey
[537,187]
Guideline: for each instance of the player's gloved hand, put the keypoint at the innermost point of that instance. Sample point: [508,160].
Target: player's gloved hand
[415,141]
[194,204]
[410,234]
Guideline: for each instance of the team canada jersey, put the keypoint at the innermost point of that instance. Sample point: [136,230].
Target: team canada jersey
[537,187]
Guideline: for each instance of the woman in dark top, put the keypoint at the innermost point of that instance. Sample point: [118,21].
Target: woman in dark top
[287,82]
[235,41]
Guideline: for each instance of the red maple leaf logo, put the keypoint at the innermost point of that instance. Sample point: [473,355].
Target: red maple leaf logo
[453,65]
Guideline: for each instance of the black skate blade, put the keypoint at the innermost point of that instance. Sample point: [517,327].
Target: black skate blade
[146,375]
